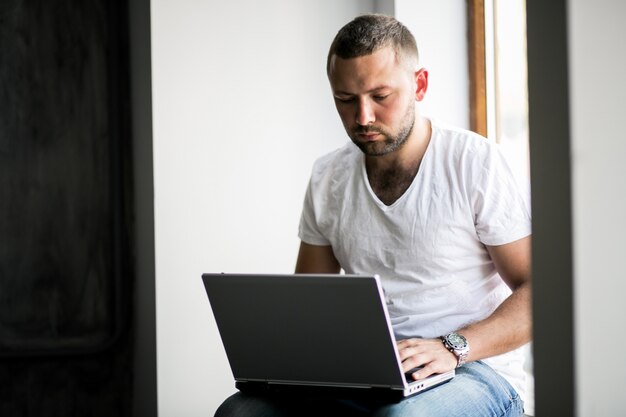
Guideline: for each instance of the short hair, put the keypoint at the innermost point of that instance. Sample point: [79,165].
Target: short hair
[368,33]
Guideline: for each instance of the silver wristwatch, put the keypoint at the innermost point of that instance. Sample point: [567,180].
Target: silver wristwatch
[457,344]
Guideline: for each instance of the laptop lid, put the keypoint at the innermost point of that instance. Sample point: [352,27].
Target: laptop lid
[312,330]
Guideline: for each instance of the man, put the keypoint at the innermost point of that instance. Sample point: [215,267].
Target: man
[436,213]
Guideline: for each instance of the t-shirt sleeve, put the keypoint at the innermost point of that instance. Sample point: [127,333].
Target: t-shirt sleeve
[308,230]
[501,203]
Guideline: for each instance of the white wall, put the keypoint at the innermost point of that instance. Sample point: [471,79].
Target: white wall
[597,91]
[241,108]
[440,29]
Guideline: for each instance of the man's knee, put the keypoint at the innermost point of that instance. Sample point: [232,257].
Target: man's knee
[231,407]
[241,405]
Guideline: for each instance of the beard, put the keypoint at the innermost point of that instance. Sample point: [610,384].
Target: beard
[391,142]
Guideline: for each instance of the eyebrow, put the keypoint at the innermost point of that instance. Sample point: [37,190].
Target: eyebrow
[372,90]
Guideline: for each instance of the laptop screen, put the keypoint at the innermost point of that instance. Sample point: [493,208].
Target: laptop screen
[305,329]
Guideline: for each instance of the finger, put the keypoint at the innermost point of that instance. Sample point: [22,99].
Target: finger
[423,372]
[438,365]
[431,368]
[410,364]
[413,347]
[412,372]
[418,342]
[405,353]
[410,351]
[412,343]
[407,343]
[416,361]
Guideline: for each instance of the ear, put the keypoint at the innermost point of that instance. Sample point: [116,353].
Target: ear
[421,84]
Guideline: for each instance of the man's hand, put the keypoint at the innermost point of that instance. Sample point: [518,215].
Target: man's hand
[430,354]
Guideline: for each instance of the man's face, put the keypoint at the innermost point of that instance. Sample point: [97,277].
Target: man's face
[375,97]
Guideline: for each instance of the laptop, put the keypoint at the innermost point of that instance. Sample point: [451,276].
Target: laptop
[310,334]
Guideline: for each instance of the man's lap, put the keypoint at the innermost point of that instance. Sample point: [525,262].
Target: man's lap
[476,390]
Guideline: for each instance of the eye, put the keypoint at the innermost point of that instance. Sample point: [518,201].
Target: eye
[344,99]
[380,97]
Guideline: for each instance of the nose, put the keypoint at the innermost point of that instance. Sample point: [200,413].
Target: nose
[365,113]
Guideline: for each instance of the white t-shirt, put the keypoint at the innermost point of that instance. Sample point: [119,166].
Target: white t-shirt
[428,246]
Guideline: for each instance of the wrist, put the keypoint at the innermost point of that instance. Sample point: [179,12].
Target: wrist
[458,345]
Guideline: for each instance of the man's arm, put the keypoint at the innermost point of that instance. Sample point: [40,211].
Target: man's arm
[509,327]
[313,259]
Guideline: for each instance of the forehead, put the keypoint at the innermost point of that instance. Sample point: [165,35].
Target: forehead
[363,73]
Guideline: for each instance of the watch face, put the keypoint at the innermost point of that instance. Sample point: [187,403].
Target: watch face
[456,341]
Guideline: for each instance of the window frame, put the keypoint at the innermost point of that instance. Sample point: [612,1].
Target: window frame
[477,66]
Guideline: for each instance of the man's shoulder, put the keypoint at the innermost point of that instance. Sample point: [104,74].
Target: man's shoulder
[461,142]
[344,159]
[457,135]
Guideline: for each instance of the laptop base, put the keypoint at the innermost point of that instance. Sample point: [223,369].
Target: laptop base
[378,394]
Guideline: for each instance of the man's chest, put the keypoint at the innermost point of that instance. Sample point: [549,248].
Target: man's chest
[390,185]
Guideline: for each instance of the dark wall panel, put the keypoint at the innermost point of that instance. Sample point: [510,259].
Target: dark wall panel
[56,202]
[553,288]
[65,270]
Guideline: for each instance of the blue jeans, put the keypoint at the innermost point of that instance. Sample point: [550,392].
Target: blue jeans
[476,390]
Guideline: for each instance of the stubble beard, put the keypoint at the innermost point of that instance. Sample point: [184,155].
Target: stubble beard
[391,143]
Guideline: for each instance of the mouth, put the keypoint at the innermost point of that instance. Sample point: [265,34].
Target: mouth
[368,136]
